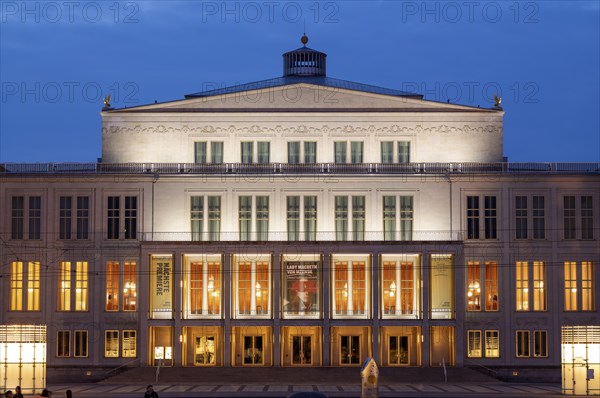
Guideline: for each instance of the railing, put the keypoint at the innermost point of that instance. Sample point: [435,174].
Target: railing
[108,372]
[299,169]
[320,236]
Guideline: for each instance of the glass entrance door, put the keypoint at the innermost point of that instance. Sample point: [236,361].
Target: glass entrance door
[350,350]
[301,350]
[399,351]
[204,351]
[253,350]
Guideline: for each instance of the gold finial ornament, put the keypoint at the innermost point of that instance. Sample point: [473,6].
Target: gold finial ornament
[304,39]
[497,101]
[107,101]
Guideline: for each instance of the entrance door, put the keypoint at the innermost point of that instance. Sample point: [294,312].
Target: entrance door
[204,351]
[253,350]
[350,350]
[399,351]
[301,350]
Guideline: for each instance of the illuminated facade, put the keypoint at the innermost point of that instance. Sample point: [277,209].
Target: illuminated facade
[300,221]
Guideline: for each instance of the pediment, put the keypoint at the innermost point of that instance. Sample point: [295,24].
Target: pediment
[302,97]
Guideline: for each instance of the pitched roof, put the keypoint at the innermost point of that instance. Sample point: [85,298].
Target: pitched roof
[316,80]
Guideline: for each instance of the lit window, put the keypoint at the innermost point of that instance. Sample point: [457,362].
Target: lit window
[112,286]
[129,344]
[16,286]
[253,287]
[350,285]
[401,286]
[442,286]
[578,286]
[474,343]
[130,286]
[202,286]
[111,344]
[81,285]
[524,294]
[492,344]
[64,288]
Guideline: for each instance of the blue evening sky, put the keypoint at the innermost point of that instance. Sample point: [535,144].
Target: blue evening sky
[59,58]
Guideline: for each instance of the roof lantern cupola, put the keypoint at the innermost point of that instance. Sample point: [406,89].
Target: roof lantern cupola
[304,61]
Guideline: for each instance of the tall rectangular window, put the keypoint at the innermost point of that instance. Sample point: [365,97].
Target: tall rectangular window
[112,286]
[358,218]
[540,343]
[65,217]
[16,286]
[214,218]
[521,217]
[474,344]
[310,152]
[389,217]
[199,153]
[262,218]
[442,286]
[64,287]
[401,282]
[247,152]
[340,148]
[387,152]
[114,208]
[293,218]
[406,217]
[65,291]
[197,217]
[81,286]
[490,217]
[587,286]
[63,343]
[492,344]
[356,152]
[130,217]
[539,286]
[350,287]
[522,344]
[129,344]
[570,279]
[245,217]
[539,217]
[83,217]
[472,217]
[491,286]
[473,286]
[404,152]
[17,217]
[482,288]
[579,286]
[33,286]
[264,152]
[341,218]
[114,294]
[202,286]
[569,217]
[522,285]
[253,281]
[111,344]
[587,218]
[216,156]
[35,217]
[81,343]
[130,286]
[310,218]
[293,152]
